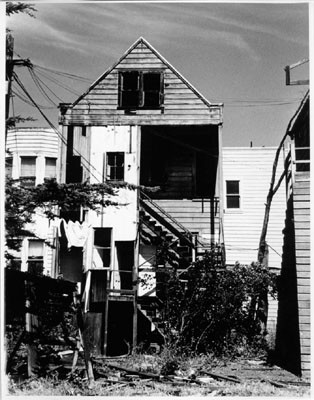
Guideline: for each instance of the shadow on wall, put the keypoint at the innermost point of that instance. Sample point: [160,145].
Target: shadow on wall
[287,350]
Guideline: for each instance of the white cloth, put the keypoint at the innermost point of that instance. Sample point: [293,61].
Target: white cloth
[76,233]
[86,294]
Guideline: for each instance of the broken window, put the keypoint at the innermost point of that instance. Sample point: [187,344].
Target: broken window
[140,89]
[102,248]
[35,257]
[233,194]
[51,167]
[115,167]
[28,171]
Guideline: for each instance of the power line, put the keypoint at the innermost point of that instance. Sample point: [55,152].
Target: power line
[65,74]
[40,88]
[56,82]
[52,126]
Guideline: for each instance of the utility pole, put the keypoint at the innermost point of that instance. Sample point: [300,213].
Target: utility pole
[10,64]
[288,68]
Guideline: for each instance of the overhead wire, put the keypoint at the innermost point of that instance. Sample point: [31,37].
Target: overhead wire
[55,71]
[43,83]
[56,82]
[61,73]
[40,88]
[89,165]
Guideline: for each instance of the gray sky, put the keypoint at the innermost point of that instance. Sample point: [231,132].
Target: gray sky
[233,53]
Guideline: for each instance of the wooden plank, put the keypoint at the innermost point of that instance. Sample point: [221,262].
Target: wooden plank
[304,320]
[302,246]
[304,304]
[303,239]
[306,358]
[305,334]
[304,290]
[113,120]
[140,65]
[302,225]
[304,312]
[304,297]
[305,352]
[305,327]
[302,274]
[303,281]
[305,342]
[300,211]
[303,262]
[301,204]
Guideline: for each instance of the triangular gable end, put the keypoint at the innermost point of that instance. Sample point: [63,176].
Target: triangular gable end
[141,43]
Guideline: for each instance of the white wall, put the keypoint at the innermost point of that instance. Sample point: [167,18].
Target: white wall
[40,143]
[242,227]
[123,218]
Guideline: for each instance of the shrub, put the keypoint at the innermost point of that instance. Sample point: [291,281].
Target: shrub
[210,309]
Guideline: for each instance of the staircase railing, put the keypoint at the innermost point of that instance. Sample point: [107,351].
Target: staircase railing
[164,212]
[165,217]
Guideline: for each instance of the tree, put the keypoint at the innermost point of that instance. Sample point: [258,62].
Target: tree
[18,7]
[21,203]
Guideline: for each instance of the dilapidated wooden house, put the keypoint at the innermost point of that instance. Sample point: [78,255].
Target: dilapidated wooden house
[141,122]
[294,314]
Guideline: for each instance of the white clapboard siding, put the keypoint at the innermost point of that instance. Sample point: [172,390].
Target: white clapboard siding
[242,227]
[194,215]
[39,143]
[31,141]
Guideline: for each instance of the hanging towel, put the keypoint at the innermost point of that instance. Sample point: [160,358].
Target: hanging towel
[76,233]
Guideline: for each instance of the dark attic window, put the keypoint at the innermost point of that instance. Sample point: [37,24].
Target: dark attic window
[140,89]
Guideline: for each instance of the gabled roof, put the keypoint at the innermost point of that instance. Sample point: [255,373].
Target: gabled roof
[161,58]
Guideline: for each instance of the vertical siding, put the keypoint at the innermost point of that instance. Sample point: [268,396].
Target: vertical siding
[301,207]
[242,227]
[182,105]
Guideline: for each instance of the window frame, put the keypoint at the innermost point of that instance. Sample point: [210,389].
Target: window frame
[108,179]
[28,180]
[233,195]
[141,92]
[56,172]
[36,259]
[95,247]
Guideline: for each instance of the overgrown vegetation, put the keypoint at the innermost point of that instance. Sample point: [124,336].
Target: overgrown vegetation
[21,202]
[216,310]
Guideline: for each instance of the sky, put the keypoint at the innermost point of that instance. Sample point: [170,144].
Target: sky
[233,53]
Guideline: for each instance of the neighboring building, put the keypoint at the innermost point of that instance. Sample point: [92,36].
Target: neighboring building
[32,156]
[247,174]
[143,123]
[293,332]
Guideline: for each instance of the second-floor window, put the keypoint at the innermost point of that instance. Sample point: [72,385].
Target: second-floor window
[140,89]
[51,167]
[233,194]
[28,171]
[115,166]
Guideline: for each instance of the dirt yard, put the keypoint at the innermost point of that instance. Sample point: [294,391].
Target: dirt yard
[141,376]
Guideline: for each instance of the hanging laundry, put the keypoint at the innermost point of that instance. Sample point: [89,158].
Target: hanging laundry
[86,294]
[76,233]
